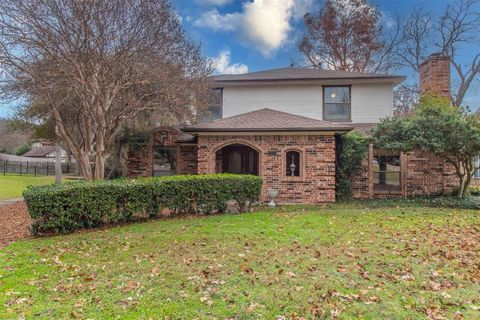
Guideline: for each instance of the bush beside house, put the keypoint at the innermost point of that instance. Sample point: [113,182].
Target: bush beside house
[65,208]
[437,128]
[352,149]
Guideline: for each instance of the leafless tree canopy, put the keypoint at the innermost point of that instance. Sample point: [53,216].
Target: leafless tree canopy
[11,137]
[347,35]
[457,26]
[97,64]
[405,99]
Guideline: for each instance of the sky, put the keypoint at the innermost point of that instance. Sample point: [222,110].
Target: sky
[251,35]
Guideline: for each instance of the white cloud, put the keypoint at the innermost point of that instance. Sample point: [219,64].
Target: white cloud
[213,2]
[223,66]
[301,7]
[219,22]
[265,24]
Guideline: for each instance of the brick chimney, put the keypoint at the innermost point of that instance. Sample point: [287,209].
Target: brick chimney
[435,75]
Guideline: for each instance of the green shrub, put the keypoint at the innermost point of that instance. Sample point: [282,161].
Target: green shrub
[468,202]
[22,149]
[72,206]
[352,149]
[474,191]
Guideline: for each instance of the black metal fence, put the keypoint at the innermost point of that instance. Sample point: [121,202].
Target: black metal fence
[33,168]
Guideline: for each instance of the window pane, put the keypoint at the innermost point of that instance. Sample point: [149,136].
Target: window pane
[386,173]
[292,167]
[337,111]
[336,103]
[337,94]
[215,97]
[164,161]
[214,113]
[215,106]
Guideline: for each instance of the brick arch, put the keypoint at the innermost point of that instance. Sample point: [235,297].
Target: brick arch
[213,150]
[227,143]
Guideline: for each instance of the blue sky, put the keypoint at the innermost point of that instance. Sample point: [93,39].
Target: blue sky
[254,35]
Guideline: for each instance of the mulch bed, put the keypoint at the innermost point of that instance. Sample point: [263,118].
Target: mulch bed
[15,222]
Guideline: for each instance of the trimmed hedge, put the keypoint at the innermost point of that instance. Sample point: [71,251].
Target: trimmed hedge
[68,207]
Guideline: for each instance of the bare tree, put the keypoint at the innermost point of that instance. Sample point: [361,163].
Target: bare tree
[97,64]
[405,99]
[11,137]
[456,27]
[347,35]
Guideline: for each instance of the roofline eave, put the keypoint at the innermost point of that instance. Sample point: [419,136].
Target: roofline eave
[268,130]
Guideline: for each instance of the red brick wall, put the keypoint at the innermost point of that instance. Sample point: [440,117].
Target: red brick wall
[426,174]
[140,157]
[317,181]
[139,163]
[423,174]
[187,159]
[362,183]
[435,75]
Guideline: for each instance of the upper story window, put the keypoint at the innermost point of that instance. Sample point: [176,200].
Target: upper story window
[336,103]
[292,164]
[215,106]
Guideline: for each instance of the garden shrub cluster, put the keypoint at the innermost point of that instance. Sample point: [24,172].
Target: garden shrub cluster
[352,149]
[68,207]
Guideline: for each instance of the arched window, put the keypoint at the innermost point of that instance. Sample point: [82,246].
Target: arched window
[292,164]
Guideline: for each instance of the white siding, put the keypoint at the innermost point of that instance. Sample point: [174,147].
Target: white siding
[370,102]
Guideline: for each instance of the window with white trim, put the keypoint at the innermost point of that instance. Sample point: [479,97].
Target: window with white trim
[336,103]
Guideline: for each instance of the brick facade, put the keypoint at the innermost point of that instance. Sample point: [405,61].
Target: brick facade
[138,161]
[435,75]
[140,156]
[316,183]
[421,174]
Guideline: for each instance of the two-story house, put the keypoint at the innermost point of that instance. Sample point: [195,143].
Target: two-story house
[282,124]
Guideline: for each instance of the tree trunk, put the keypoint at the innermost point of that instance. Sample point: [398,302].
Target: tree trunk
[461,189]
[84,164]
[58,164]
[99,167]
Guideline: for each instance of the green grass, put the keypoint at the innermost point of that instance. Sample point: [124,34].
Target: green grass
[343,262]
[12,186]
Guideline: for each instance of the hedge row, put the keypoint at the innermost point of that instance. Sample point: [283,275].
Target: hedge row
[72,206]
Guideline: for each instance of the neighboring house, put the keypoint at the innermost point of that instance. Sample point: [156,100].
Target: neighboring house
[44,149]
[282,124]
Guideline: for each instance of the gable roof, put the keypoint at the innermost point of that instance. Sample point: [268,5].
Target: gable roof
[296,73]
[267,120]
[39,152]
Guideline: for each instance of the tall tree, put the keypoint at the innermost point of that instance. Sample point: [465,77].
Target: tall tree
[449,33]
[347,35]
[96,64]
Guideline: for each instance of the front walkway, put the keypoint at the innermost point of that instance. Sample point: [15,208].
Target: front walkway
[15,221]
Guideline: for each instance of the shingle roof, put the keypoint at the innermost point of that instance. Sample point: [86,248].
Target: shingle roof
[186,138]
[363,127]
[267,120]
[39,152]
[295,73]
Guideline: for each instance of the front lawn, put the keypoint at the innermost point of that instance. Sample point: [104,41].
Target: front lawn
[345,262]
[12,186]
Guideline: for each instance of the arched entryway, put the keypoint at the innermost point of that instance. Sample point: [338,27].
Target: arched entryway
[237,158]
